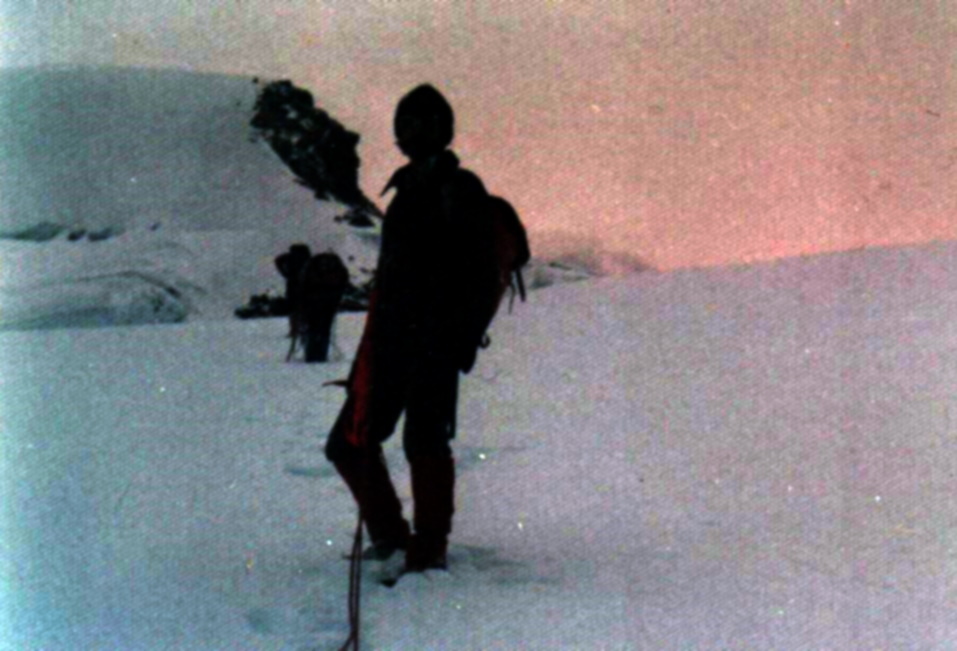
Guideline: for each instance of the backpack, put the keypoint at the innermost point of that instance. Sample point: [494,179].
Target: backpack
[510,252]
[324,271]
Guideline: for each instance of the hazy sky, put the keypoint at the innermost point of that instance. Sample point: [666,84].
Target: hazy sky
[689,132]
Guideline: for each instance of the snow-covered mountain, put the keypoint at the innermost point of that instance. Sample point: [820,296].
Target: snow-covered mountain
[140,196]
[739,458]
[135,148]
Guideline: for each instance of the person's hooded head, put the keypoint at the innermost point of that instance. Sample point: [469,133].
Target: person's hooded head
[424,123]
[300,252]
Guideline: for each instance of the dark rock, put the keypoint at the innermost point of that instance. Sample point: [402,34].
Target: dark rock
[318,149]
[42,232]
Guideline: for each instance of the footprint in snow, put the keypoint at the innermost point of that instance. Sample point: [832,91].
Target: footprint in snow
[309,472]
[303,623]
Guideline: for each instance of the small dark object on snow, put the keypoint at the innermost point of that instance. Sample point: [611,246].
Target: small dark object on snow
[42,232]
[357,218]
[100,235]
[261,306]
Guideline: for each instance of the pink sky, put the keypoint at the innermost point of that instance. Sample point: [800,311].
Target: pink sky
[686,132]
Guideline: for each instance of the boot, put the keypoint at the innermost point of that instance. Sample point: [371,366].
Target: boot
[368,480]
[433,490]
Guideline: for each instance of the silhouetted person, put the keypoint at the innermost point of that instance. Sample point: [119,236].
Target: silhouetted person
[421,332]
[290,266]
[322,283]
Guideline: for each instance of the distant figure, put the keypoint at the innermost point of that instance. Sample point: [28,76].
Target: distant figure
[321,285]
[290,265]
[425,324]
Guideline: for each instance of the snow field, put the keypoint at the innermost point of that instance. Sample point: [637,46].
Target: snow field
[759,458]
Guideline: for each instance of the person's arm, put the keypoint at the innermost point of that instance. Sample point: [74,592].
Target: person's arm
[474,268]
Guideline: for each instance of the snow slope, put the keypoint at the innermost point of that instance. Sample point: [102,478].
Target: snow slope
[162,276]
[752,458]
[131,148]
[165,158]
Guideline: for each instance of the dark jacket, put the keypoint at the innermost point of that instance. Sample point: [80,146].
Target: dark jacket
[322,283]
[433,265]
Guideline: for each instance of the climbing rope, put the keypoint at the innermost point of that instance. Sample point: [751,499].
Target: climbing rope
[355,589]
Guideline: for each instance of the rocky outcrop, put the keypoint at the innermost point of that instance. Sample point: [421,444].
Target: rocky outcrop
[319,150]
